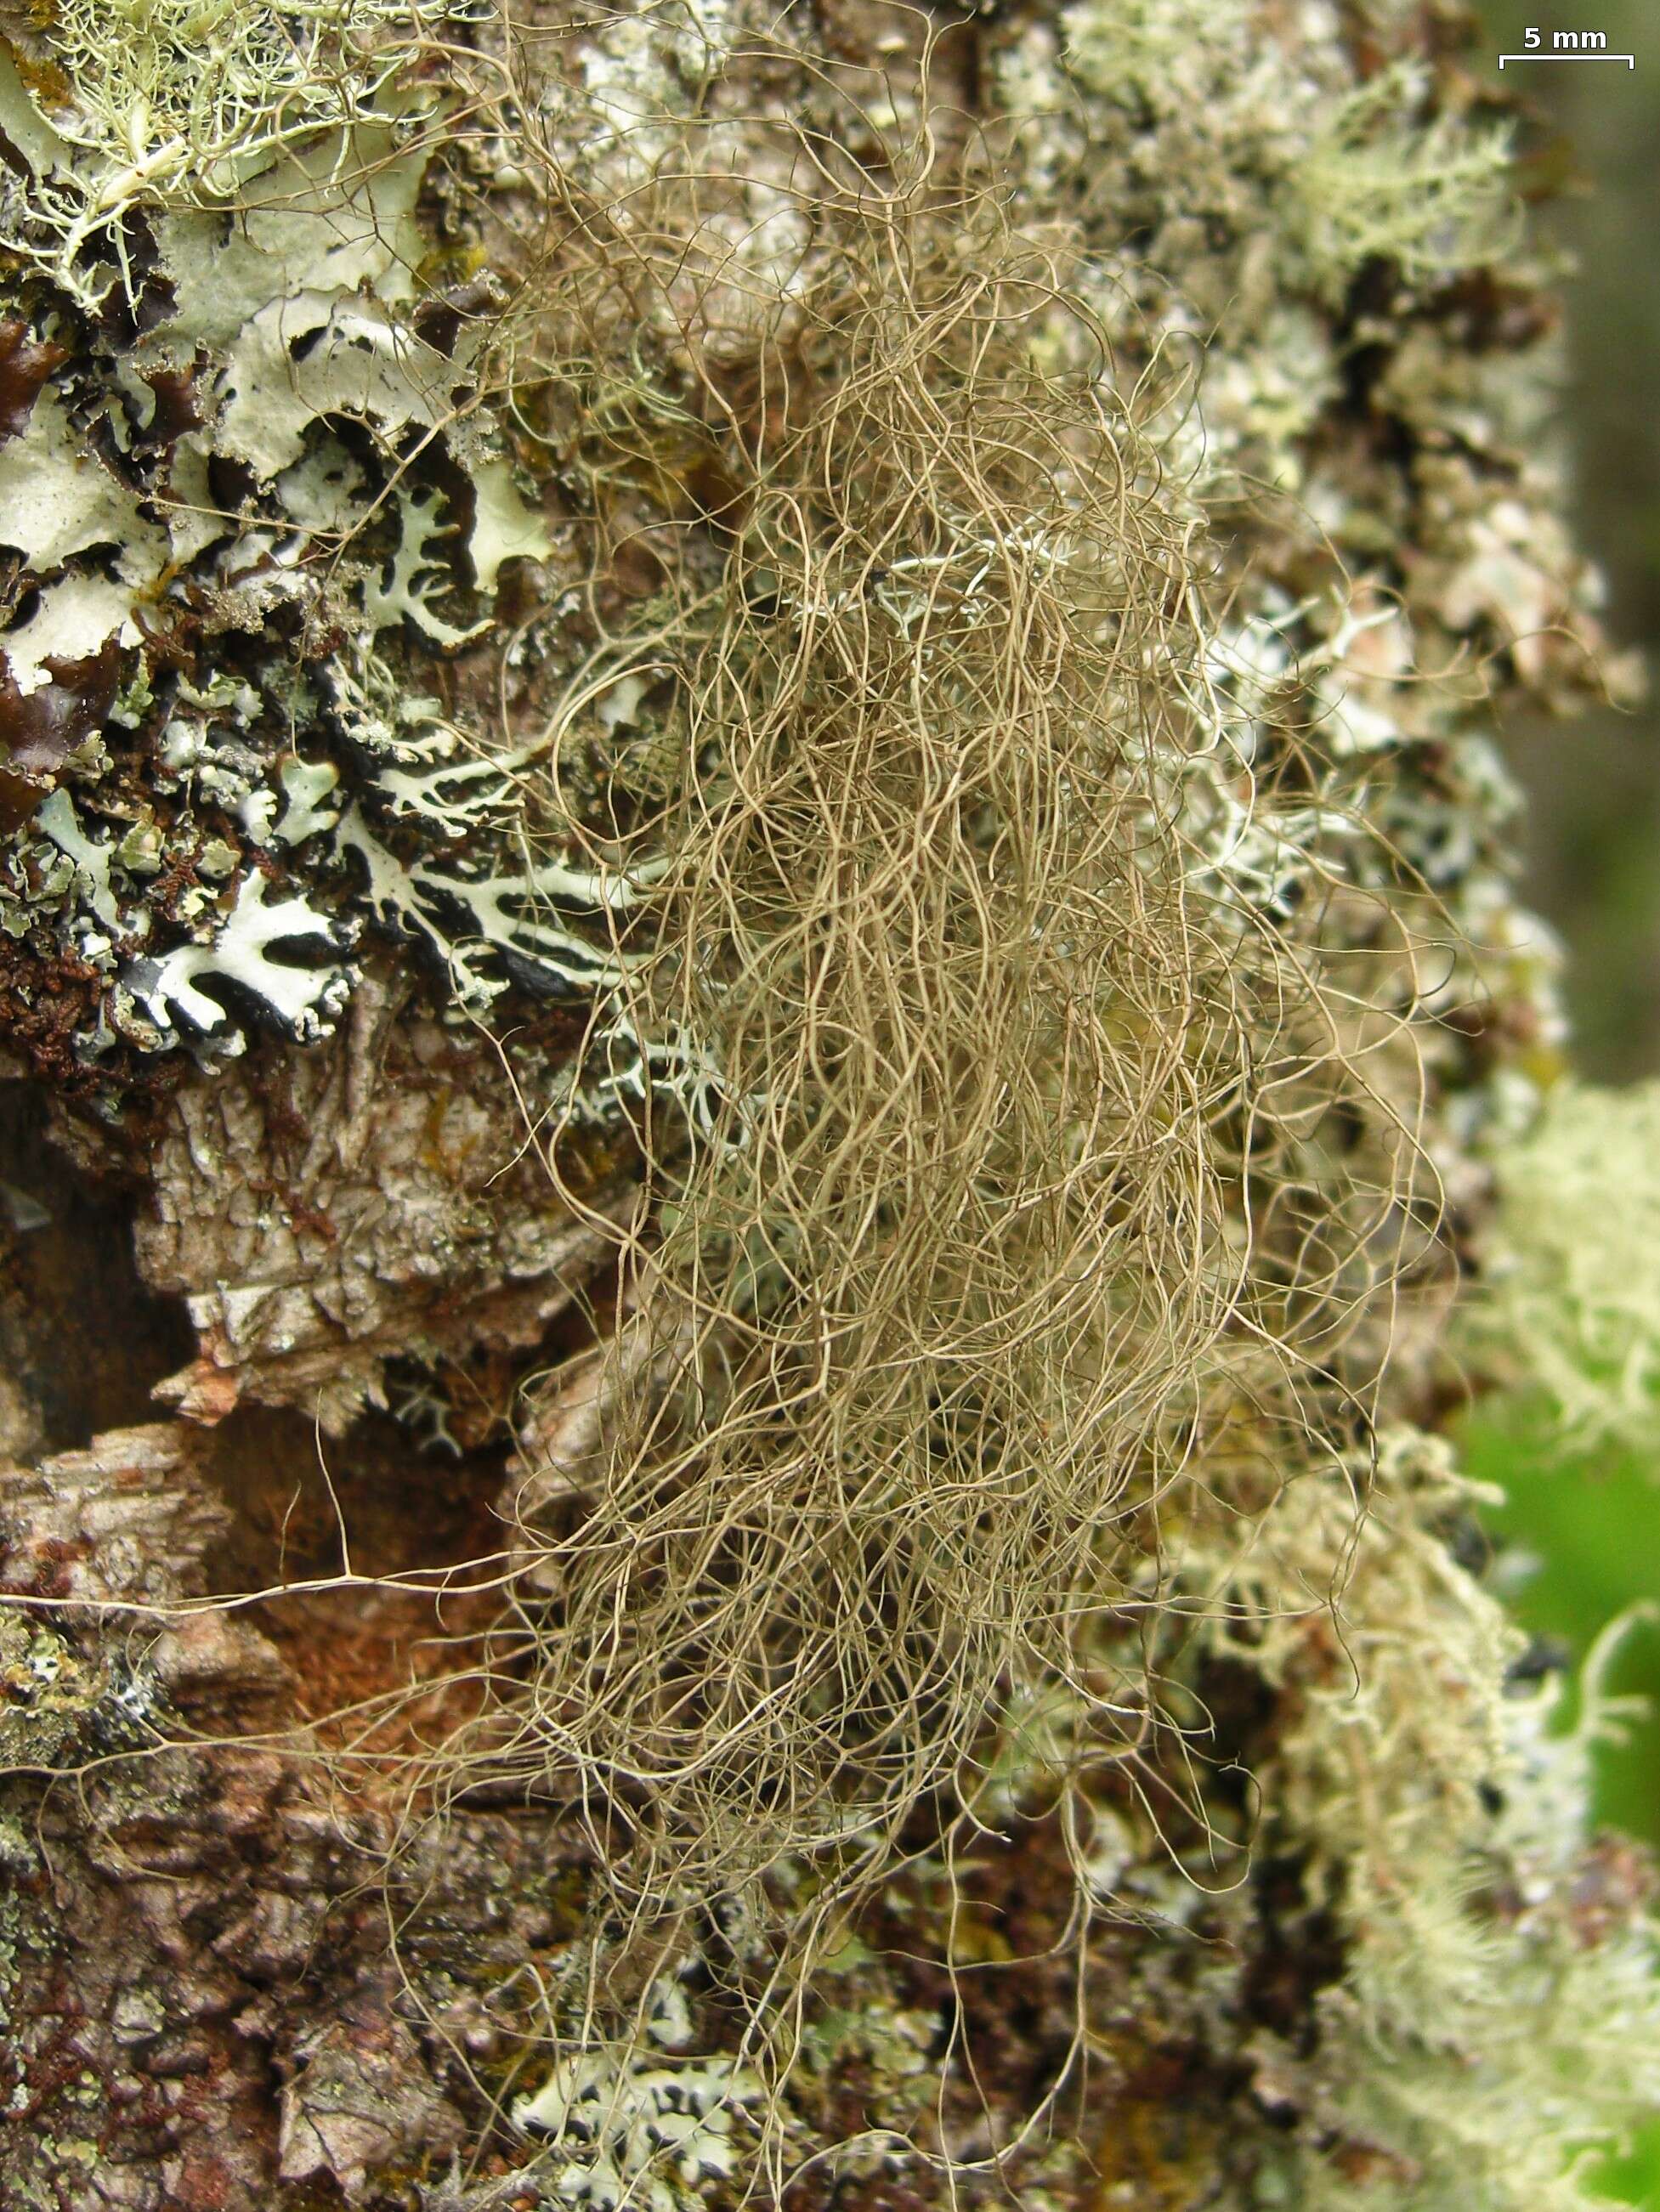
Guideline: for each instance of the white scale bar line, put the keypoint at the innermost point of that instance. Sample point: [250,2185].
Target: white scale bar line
[1630,60]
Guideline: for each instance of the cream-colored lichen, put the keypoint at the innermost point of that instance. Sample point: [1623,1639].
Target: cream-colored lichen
[1431,198]
[181,103]
[1478,2037]
[1567,1305]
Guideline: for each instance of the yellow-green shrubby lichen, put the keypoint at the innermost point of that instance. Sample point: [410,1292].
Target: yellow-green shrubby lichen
[1377,184]
[178,104]
[363,555]
[1499,2008]
[1567,1305]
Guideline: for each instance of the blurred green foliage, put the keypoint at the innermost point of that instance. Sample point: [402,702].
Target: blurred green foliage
[1588,1530]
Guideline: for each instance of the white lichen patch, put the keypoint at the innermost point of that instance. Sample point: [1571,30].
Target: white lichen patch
[630,2127]
[247,952]
[285,332]
[1164,55]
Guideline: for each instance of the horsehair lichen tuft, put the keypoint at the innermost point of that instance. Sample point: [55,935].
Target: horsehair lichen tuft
[930,1314]
[985,874]
[952,1268]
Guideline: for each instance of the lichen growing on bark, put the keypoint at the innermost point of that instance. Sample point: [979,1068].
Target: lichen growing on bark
[749,761]
[1567,1305]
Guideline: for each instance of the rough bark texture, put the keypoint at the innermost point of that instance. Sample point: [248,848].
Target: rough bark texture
[327,1120]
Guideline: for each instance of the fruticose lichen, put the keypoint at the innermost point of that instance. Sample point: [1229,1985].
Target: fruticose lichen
[1567,1304]
[754,751]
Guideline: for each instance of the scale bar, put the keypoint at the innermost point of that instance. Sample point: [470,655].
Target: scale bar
[1630,60]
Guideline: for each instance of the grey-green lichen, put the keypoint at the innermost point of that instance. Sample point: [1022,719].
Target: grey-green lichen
[179,103]
[370,494]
